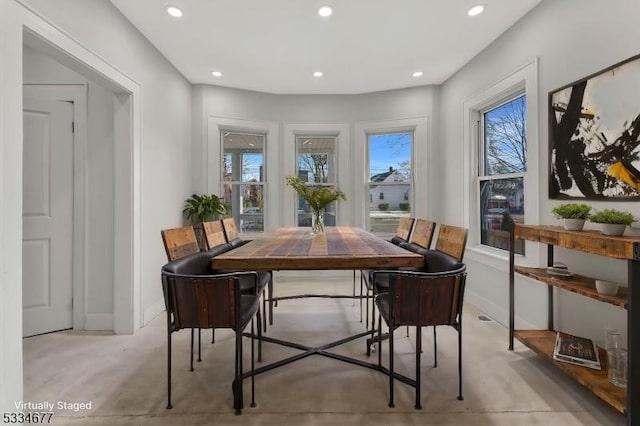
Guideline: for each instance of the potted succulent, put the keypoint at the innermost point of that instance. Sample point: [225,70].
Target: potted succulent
[202,208]
[573,215]
[613,222]
[318,198]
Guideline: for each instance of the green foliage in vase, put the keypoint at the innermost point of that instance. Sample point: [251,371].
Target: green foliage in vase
[203,208]
[612,216]
[572,211]
[318,197]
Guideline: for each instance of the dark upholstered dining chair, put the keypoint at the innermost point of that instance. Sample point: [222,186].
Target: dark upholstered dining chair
[452,241]
[216,243]
[234,240]
[420,299]
[419,241]
[403,233]
[195,298]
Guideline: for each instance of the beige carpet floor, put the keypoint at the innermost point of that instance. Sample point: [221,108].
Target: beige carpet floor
[124,377]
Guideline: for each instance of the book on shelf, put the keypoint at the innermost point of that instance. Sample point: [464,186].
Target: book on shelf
[576,350]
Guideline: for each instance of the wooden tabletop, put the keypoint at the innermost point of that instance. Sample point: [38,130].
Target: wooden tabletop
[299,249]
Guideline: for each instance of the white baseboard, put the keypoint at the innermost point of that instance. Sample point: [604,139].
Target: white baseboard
[98,322]
[152,311]
[496,312]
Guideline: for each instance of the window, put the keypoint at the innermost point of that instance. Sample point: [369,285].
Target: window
[243,178]
[503,163]
[316,166]
[390,179]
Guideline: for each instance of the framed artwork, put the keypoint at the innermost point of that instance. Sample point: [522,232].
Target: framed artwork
[594,135]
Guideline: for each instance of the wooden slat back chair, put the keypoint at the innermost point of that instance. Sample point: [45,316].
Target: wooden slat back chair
[420,299]
[231,232]
[266,277]
[404,231]
[213,234]
[452,240]
[422,234]
[197,300]
[418,241]
[179,242]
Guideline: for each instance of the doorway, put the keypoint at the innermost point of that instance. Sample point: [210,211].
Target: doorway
[54,138]
[124,313]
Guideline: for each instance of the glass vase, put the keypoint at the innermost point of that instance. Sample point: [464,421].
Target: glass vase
[317,221]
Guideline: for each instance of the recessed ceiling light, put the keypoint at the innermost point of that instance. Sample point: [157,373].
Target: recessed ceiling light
[475,10]
[325,11]
[216,74]
[174,11]
[317,74]
[417,74]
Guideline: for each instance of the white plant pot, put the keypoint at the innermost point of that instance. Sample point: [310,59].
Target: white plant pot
[573,224]
[614,229]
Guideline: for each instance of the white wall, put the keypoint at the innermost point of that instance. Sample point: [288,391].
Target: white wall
[571,39]
[101,33]
[346,110]
[39,68]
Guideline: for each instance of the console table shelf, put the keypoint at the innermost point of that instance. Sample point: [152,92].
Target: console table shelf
[577,284]
[542,341]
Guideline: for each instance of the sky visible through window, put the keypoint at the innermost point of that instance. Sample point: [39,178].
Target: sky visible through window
[389,150]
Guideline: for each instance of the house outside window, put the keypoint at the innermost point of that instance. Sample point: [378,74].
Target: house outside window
[243,181]
[390,179]
[503,164]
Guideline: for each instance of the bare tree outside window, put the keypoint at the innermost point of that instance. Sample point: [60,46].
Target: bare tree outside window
[501,180]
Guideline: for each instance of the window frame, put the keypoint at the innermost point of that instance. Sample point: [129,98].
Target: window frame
[332,177]
[482,159]
[262,183]
[523,81]
[410,183]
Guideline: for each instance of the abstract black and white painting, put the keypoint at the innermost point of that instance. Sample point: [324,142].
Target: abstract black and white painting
[594,135]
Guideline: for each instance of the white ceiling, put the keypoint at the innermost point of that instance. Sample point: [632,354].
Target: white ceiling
[365,46]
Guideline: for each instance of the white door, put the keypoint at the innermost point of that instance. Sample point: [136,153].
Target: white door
[47,211]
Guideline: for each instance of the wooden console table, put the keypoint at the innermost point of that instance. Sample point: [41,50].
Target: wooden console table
[542,341]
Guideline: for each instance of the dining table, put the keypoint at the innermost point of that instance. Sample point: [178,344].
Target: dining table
[338,248]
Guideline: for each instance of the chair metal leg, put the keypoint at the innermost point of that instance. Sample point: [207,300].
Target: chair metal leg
[270,292]
[264,309]
[435,348]
[379,340]
[354,294]
[253,363]
[192,331]
[199,345]
[259,336]
[391,356]
[213,335]
[460,359]
[418,375]
[236,386]
[169,406]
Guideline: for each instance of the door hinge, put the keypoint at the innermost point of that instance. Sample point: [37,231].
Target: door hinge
[73,127]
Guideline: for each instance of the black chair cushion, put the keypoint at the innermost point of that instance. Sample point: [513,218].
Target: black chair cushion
[397,241]
[434,261]
[237,242]
[192,264]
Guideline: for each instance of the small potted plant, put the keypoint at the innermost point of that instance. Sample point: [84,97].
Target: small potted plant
[573,215]
[613,222]
[202,208]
